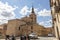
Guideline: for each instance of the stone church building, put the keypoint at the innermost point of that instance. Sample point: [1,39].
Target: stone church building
[26,26]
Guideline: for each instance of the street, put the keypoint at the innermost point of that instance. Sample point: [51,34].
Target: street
[36,39]
[19,39]
[41,38]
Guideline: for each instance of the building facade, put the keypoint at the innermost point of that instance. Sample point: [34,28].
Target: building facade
[26,26]
[55,11]
[3,29]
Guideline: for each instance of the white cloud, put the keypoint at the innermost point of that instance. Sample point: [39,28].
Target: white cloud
[35,10]
[41,23]
[46,23]
[6,12]
[2,21]
[24,10]
[44,12]
[49,21]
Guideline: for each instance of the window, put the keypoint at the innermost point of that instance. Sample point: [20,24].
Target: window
[31,27]
[54,19]
[0,33]
[31,17]
[57,9]
[58,18]
[5,27]
[31,31]
[19,28]
[57,30]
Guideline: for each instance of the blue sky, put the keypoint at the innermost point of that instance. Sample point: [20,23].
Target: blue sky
[22,8]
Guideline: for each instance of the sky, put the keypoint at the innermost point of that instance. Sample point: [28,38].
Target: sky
[17,9]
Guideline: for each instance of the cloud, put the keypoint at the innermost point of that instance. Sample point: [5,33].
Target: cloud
[2,21]
[44,12]
[24,10]
[49,21]
[6,12]
[41,23]
[46,23]
[35,10]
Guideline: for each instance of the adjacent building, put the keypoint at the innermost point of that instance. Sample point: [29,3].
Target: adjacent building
[55,11]
[3,29]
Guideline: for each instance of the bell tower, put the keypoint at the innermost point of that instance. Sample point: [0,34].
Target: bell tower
[33,15]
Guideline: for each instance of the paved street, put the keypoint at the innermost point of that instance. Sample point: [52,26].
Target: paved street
[41,38]
[19,39]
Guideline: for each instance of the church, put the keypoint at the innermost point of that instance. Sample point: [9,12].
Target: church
[26,26]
